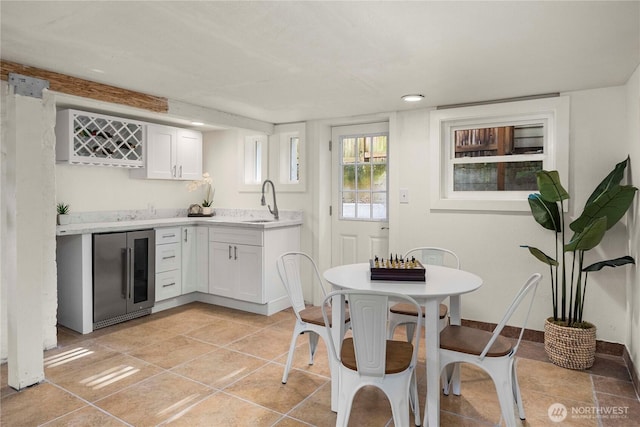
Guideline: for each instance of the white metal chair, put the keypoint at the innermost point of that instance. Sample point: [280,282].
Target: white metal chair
[308,319]
[402,314]
[491,352]
[368,358]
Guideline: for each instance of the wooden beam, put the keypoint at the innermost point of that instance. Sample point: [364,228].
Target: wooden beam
[86,88]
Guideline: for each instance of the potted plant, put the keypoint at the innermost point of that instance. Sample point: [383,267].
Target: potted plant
[569,340]
[63,213]
[207,203]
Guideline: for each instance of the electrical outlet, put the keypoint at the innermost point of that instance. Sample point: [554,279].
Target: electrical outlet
[404,195]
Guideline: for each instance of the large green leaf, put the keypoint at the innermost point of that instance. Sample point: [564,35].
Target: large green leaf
[588,238]
[617,262]
[612,204]
[550,187]
[541,255]
[611,180]
[545,213]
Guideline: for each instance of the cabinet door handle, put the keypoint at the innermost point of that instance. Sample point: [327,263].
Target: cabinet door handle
[235,252]
[185,235]
[230,252]
[180,171]
[169,235]
[168,284]
[168,257]
[174,171]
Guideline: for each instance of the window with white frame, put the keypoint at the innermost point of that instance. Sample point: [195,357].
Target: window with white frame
[486,157]
[290,139]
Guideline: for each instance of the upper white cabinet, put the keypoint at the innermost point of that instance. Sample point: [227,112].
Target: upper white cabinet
[172,153]
[96,139]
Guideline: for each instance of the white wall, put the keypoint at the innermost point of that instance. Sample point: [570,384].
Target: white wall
[633,282]
[488,242]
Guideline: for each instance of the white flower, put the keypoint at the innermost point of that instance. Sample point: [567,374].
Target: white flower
[206,181]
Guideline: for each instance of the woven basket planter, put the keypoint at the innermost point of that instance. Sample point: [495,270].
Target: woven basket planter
[571,348]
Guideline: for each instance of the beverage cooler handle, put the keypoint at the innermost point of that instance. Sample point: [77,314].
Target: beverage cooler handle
[129,253]
[125,272]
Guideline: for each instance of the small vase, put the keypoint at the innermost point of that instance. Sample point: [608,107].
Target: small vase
[207,210]
[63,219]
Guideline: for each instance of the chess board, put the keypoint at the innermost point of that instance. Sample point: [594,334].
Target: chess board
[397,272]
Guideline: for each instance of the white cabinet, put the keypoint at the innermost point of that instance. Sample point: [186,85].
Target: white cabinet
[242,262]
[172,153]
[195,262]
[168,263]
[96,139]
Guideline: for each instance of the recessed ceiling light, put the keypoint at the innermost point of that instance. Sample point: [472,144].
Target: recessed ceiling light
[197,123]
[413,98]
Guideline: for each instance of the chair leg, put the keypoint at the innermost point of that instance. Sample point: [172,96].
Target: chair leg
[450,377]
[292,348]
[504,390]
[516,390]
[313,345]
[410,329]
[415,401]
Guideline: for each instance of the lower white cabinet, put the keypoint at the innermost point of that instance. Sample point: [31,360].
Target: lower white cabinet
[168,263]
[242,262]
[195,259]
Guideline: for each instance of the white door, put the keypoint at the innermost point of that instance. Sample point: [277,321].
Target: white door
[360,224]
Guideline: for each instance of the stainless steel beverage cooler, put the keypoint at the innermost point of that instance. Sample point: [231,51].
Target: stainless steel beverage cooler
[123,276]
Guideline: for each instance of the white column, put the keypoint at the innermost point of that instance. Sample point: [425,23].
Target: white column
[28,235]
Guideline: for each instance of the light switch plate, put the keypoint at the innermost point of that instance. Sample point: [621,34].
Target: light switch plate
[404,195]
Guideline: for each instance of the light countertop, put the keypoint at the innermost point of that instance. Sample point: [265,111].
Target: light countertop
[125,224]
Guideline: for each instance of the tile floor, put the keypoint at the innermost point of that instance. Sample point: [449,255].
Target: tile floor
[201,365]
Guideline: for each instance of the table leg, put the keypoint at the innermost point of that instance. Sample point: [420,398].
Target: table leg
[337,332]
[432,343]
[456,319]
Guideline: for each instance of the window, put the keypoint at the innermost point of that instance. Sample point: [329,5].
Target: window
[486,157]
[290,156]
[253,162]
[363,190]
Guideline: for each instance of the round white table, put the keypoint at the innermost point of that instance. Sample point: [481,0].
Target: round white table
[441,282]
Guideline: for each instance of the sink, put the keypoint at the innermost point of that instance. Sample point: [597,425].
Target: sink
[258,221]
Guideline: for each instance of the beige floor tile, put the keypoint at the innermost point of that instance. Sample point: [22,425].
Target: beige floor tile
[537,404]
[86,417]
[182,323]
[173,351]
[290,422]
[552,380]
[618,411]
[133,338]
[37,405]
[61,361]
[104,377]
[223,410]
[266,343]
[316,409]
[264,387]
[614,387]
[153,401]
[220,367]
[222,332]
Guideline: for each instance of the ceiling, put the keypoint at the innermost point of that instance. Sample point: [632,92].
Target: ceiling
[283,62]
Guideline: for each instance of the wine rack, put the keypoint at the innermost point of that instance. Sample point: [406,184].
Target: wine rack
[96,139]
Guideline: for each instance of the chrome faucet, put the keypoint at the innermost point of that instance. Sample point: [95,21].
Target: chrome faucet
[274,212]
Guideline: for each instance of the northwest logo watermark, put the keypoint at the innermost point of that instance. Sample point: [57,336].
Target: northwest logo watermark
[557,412]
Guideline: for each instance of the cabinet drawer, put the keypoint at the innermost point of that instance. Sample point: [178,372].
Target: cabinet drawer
[240,236]
[167,235]
[168,257]
[168,285]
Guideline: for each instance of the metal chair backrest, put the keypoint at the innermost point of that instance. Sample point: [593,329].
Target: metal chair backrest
[429,255]
[369,311]
[530,287]
[289,266]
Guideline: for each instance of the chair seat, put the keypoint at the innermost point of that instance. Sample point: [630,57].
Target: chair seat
[473,341]
[398,356]
[409,310]
[313,315]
